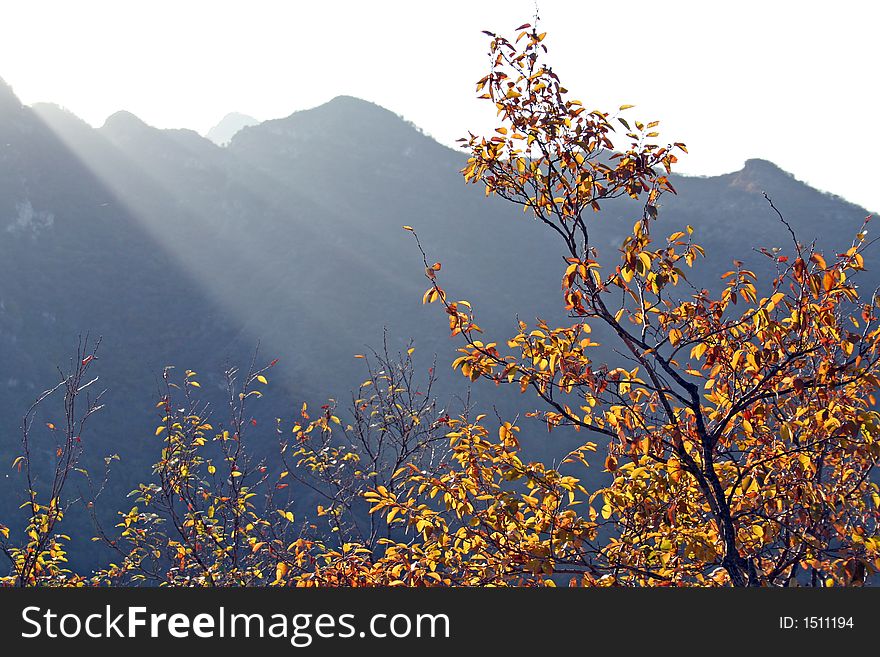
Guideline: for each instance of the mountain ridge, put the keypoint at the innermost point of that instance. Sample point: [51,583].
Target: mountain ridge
[340,110]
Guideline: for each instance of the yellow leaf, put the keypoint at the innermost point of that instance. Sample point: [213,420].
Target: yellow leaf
[262,379]
[737,355]
[698,350]
[408,228]
[160,429]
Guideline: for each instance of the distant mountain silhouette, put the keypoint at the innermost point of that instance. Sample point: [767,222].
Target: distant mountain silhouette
[222,133]
[179,252]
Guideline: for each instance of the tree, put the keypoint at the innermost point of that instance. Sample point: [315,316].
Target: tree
[42,556]
[213,515]
[741,431]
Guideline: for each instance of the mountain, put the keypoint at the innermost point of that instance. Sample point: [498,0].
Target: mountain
[229,126]
[177,251]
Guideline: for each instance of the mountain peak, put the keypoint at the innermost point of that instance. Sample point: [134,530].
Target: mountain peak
[758,174]
[123,122]
[347,114]
[55,110]
[230,125]
[344,100]
[345,108]
[759,166]
[336,126]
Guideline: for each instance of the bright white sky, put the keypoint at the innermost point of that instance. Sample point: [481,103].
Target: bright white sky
[794,82]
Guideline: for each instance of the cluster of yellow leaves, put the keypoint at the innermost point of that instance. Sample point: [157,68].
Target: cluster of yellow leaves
[42,559]
[547,156]
[749,430]
[493,519]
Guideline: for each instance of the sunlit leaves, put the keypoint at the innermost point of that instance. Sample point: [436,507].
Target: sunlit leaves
[742,436]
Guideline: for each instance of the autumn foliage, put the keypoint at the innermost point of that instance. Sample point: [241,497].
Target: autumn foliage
[737,429]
